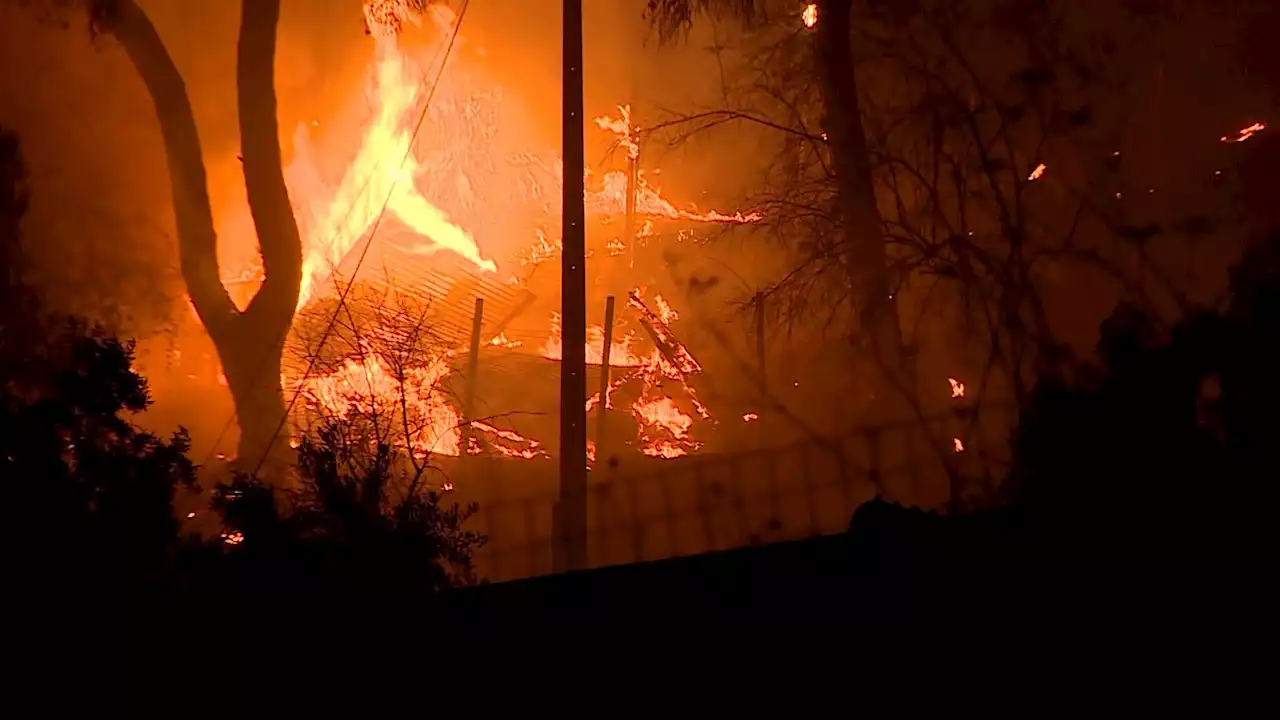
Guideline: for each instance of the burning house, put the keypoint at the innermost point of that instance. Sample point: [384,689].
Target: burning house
[443,241]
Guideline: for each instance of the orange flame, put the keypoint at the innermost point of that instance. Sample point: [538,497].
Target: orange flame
[501,340]
[334,221]
[620,352]
[957,388]
[1037,173]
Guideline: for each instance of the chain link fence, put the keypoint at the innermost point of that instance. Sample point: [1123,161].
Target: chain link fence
[705,503]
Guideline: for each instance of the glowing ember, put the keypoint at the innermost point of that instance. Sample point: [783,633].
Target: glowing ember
[1037,173]
[501,340]
[957,388]
[233,538]
[959,446]
[750,417]
[1244,133]
[810,15]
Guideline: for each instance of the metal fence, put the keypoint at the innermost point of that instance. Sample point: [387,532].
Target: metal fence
[706,503]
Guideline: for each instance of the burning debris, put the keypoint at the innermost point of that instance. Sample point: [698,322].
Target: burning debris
[1244,133]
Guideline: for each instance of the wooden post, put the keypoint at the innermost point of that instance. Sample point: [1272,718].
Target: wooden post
[571,515]
[760,367]
[469,403]
[601,413]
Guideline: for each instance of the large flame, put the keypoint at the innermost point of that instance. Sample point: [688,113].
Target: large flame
[383,172]
[445,178]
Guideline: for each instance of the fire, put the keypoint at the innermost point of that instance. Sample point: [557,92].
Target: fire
[664,310]
[810,15]
[380,179]
[501,340]
[436,190]
[412,404]
[620,352]
[611,199]
[1037,173]
[957,444]
[957,388]
[660,416]
[1244,133]
[369,388]
[622,127]
[750,417]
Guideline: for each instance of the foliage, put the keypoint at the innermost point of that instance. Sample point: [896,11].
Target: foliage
[356,524]
[1171,430]
[92,494]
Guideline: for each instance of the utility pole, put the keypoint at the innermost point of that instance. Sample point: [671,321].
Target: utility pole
[571,510]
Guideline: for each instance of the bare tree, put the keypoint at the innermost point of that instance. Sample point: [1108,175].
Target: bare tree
[379,374]
[840,141]
[992,170]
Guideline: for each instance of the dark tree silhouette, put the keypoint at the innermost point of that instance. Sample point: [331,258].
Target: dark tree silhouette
[1155,449]
[862,245]
[250,342]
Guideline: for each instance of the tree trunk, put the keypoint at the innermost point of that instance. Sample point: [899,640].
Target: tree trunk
[250,344]
[863,243]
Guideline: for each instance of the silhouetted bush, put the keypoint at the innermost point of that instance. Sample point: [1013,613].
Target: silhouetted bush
[356,524]
[88,495]
[1163,447]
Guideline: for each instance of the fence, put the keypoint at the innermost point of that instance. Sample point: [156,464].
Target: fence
[705,503]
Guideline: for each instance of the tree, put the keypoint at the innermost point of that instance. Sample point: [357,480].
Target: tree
[993,167]
[861,246]
[1163,448]
[250,342]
